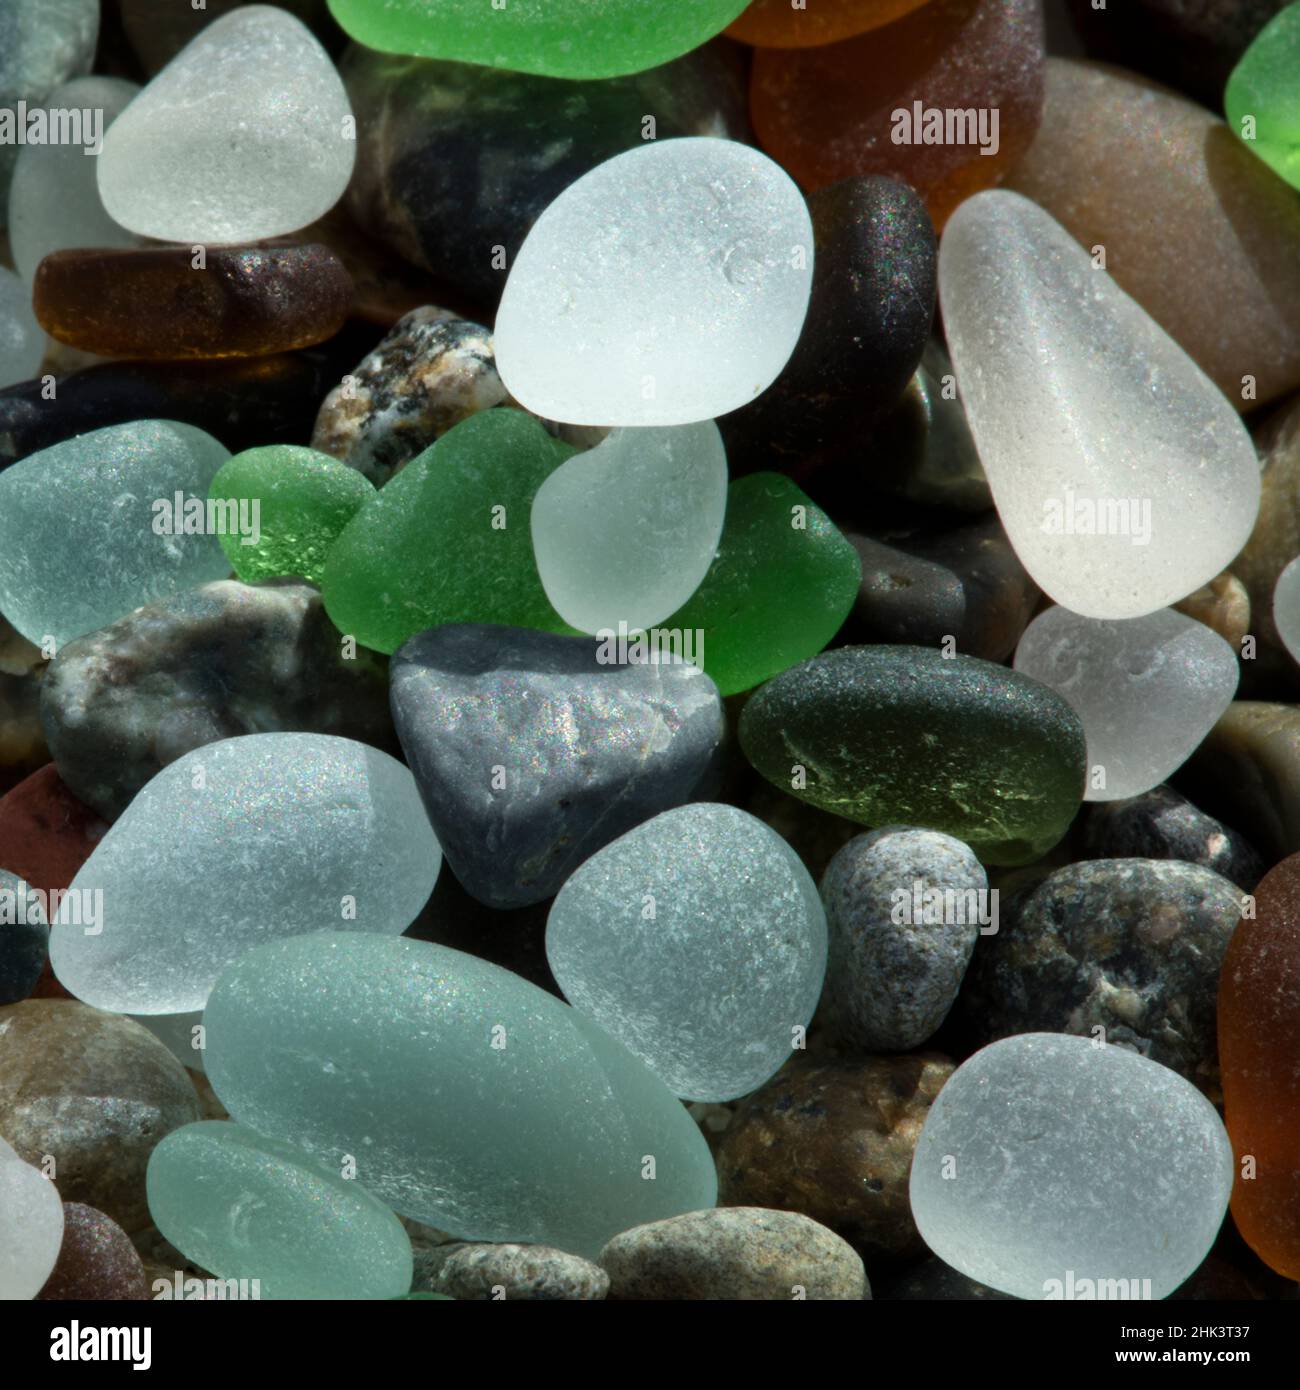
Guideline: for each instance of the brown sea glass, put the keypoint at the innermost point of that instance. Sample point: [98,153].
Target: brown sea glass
[171,303]
[1259,1057]
[969,72]
[781,24]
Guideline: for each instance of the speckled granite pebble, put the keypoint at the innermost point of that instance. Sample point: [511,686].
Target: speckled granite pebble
[897,960]
[1132,946]
[533,1272]
[734,1253]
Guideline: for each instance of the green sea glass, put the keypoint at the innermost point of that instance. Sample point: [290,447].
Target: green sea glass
[1262,99]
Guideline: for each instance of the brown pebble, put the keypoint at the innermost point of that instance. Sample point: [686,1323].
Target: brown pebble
[97,1261]
[1223,605]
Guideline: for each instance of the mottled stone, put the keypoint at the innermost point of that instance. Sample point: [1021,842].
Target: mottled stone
[211,663]
[1129,946]
[532,1272]
[532,752]
[1223,605]
[734,1253]
[1116,157]
[430,372]
[1163,824]
[455,161]
[97,1261]
[898,954]
[94,1091]
[835,1142]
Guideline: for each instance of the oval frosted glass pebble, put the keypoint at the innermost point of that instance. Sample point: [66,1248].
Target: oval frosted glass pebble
[1286,608]
[236,843]
[625,532]
[471,1100]
[699,941]
[22,339]
[54,201]
[246,1207]
[78,548]
[1147,689]
[1046,1161]
[31,1228]
[668,285]
[242,136]
[1124,478]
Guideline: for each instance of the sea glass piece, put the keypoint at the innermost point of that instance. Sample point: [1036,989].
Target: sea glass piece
[447,539]
[78,544]
[530,1123]
[667,286]
[1262,99]
[781,585]
[1147,689]
[330,831]
[303,499]
[1286,607]
[1124,479]
[248,302]
[246,1207]
[54,201]
[624,532]
[555,38]
[31,1228]
[907,736]
[245,134]
[780,24]
[1259,1034]
[946,98]
[699,941]
[24,937]
[22,340]
[1053,1168]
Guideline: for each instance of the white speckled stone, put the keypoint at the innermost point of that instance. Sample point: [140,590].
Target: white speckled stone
[54,202]
[1082,406]
[666,286]
[285,833]
[78,548]
[699,941]
[1046,1161]
[625,532]
[22,339]
[241,136]
[1147,689]
[31,1227]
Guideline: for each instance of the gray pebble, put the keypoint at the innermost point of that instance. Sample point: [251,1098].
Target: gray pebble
[534,1272]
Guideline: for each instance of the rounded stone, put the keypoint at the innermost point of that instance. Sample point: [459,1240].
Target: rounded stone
[904,909]
[699,941]
[97,1262]
[908,736]
[835,1142]
[533,1272]
[1047,1161]
[1129,946]
[734,1253]
[31,1228]
[95,1092]
[22,339]
[24,937]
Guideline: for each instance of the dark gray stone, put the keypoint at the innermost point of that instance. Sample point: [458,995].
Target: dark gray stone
[531,754]
[24,938]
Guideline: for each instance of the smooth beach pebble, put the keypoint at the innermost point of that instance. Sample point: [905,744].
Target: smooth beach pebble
[532,751]
[97,1261]
[47,833]
[906,736]
[1261,100]
[31,1228]
[779,24]
[625,532]
[243,1206]
[330,831]
[533,1272]
[81,540]
[540,1128]
[734,1253]
[24,937]
[303,500]
[243,135]
[1259,1034]
[556,38]
[1110,521]
[1047,1161]
[699,941]
[667,286]
[1147,689]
